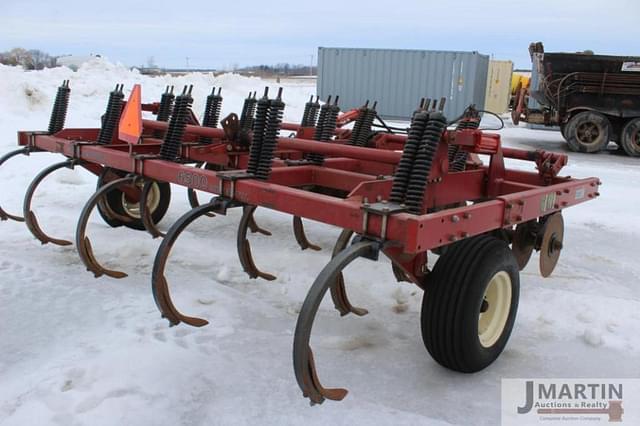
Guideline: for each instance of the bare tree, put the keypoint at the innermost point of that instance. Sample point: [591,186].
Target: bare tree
[29,59]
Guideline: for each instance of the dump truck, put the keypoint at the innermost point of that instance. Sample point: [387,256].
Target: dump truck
[594,99]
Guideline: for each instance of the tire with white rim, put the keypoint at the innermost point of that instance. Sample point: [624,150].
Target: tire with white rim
[158,203]
[470,303]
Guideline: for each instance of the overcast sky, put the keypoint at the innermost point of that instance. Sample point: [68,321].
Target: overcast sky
[229,33]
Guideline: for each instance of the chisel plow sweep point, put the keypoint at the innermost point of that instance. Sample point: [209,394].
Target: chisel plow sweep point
[30,217]
[244,248]
[159,284]
[301,237]
[303,362]
[82,241]
[338,291]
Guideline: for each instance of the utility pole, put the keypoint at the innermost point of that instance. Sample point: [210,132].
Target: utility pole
[187,58]
[311,66]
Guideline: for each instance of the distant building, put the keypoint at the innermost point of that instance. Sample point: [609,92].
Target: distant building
[74,61]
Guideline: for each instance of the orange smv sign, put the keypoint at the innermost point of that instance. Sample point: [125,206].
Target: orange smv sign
[130,128]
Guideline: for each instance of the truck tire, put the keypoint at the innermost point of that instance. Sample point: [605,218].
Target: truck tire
[630,139]
[159,200]
[563,127]
[470,303]
[587,131]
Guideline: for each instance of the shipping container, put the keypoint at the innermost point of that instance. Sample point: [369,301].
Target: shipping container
[498,86]
[397,79]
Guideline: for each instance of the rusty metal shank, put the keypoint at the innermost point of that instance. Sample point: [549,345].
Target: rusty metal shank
[303,362]
[244,248]
[193,196]
[30,217]
[301,236]
[338,291]
[145,213]
[254,227]
[3,214]
[82,241]
[193,200]
[104,206]
[159,283]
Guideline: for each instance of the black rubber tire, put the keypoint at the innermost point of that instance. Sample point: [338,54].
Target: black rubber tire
[453,299]
[563,127]
[575,137]
[114,200]
[630,140]
[114,223]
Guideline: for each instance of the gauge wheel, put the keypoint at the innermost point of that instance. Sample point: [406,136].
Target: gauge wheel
[117,201]
[470,303]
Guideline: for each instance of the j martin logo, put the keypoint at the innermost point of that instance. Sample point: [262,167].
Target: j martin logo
[575,401]
[581,398]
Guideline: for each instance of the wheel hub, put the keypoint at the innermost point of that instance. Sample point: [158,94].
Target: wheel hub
[588,132]
[495,309]
[132,208]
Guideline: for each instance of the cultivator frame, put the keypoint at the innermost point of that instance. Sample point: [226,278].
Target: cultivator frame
[353,183]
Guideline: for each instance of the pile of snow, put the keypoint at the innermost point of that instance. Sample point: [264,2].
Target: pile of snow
[34,92]
[76,350]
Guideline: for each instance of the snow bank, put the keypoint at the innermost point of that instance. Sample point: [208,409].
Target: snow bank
[33,92]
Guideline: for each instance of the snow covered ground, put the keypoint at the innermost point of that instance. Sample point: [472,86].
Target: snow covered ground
[80,351]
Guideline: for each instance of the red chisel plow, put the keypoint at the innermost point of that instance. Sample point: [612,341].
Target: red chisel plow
[398,192]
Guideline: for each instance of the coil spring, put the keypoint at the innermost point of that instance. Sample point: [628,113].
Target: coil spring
[317,135]
[403,171]
[60,106]
[111,116]
[436,125]
[362,127]
[164,110]
[171,146]
[259,126]
[248,112]
[310,115]
[270,140]
[211,115]
[458,157]
[325,127]
[166,104]
[329,126]
[421,108]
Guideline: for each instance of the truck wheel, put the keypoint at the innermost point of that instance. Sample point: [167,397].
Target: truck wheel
[116,200]
[470,304]
[587,131]
[563,128]
[630,140]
